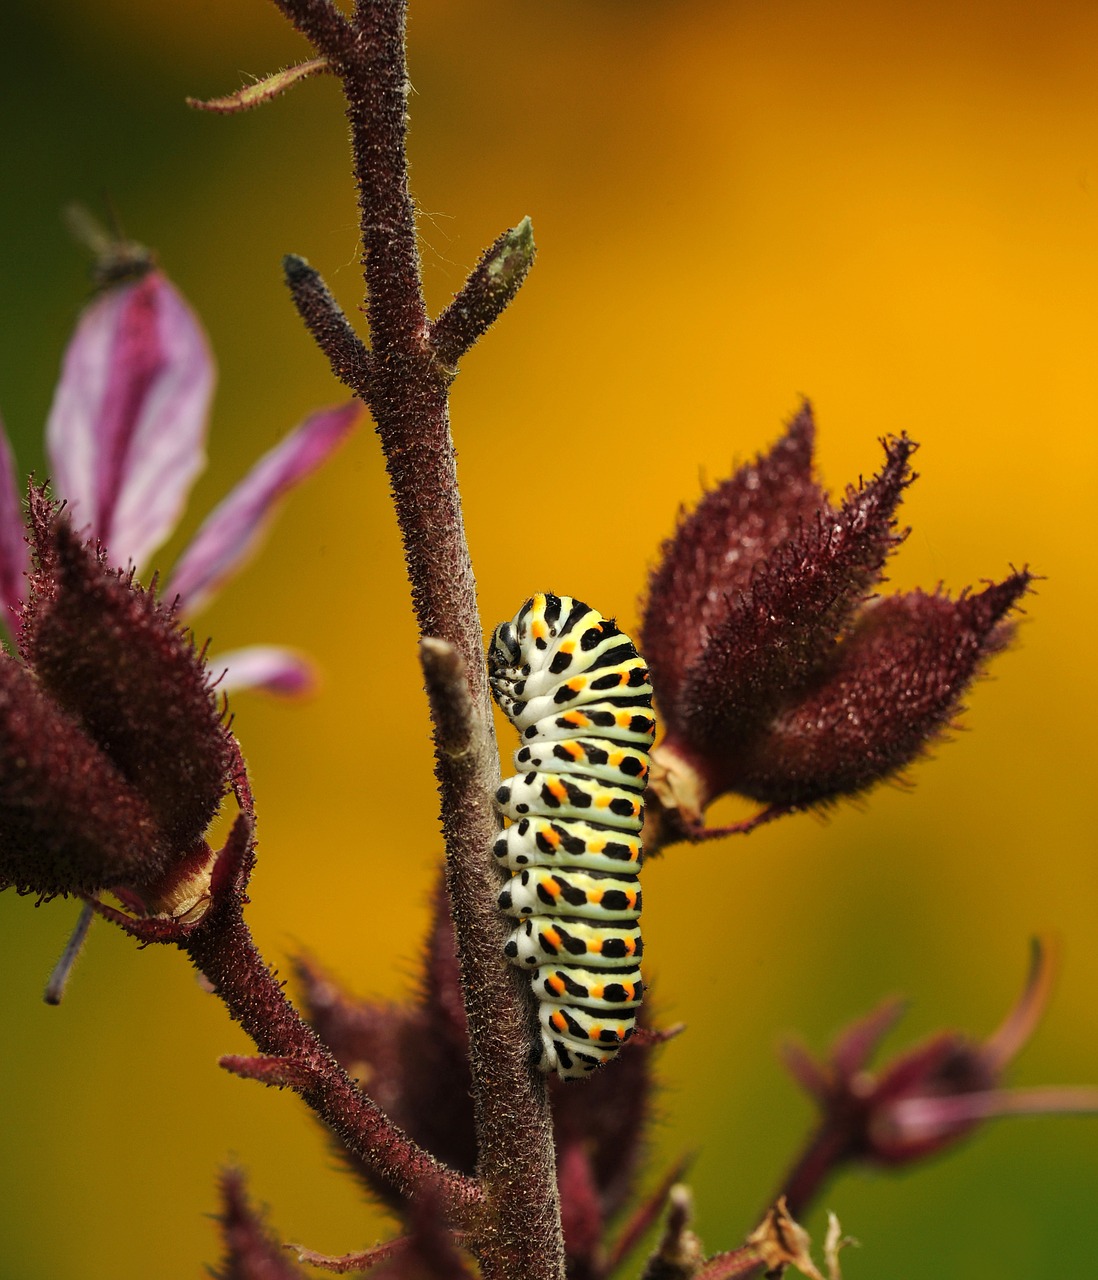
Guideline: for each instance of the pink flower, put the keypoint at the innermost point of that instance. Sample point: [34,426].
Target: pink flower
[928,1098]
[126,440]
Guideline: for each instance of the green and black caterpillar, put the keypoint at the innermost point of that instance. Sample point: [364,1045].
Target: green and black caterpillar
[577,691]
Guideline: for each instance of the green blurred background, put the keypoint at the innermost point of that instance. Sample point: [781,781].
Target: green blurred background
[890,208]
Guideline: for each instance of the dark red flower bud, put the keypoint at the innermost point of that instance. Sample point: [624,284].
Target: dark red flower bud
[108,653]
[413,1061]
[113,754]
[251,1251]
[69,820]
[773,676]
[600,1128]
[896,682]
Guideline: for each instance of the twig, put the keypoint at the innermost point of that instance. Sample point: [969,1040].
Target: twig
[223,951]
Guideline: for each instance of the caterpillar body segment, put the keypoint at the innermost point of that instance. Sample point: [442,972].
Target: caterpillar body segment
[596,895]
[609,989]
[570,796]
[548,842]
[540,940]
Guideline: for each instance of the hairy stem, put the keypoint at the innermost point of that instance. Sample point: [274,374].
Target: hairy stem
[826,1151]
[405,383]
[223,951]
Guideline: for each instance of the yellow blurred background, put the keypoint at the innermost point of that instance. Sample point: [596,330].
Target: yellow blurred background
[890,208]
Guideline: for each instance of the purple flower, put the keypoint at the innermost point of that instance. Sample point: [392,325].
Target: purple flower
[126,440]
[777,674]
[925,1100]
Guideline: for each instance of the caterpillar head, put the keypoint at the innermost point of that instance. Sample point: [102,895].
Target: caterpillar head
[504,652]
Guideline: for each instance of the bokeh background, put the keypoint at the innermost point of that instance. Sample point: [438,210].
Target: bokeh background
[890,208]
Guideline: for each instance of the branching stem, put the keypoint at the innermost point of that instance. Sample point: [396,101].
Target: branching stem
[405,378]
[223,951]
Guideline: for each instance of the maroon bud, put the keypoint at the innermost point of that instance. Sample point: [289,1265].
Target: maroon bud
[251,1251]
[784,627]
[117,661]
[773,676]
[600,1128]
[896,685]
[69,820]
[713,554]
[413,1062]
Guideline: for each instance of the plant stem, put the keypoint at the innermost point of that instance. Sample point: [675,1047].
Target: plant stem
[223,951]
[406,384]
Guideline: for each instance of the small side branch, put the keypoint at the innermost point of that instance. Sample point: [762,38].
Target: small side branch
[492,284]
[452,710]
[223,951]
[321,22]
[351,362]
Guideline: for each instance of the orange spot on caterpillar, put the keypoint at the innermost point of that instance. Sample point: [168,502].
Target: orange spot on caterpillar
[559,1021]
[551,938]
[556,982]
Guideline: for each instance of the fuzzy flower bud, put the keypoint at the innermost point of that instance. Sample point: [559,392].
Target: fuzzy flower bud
[925,1100]
[113,755]
[774,675]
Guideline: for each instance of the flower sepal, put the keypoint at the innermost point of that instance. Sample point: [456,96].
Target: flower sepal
[778,674]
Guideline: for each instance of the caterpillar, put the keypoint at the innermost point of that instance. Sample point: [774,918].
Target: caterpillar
[577,691]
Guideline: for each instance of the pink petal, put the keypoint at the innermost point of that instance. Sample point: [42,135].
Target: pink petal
[126,432]
[920,1119]
[268,667]
[14,557]
[1020,1023]
[232,530]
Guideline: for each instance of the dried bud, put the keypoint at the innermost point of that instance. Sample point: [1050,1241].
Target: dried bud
[924,1101]
[113,758]
[251,1252]
[774,677]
